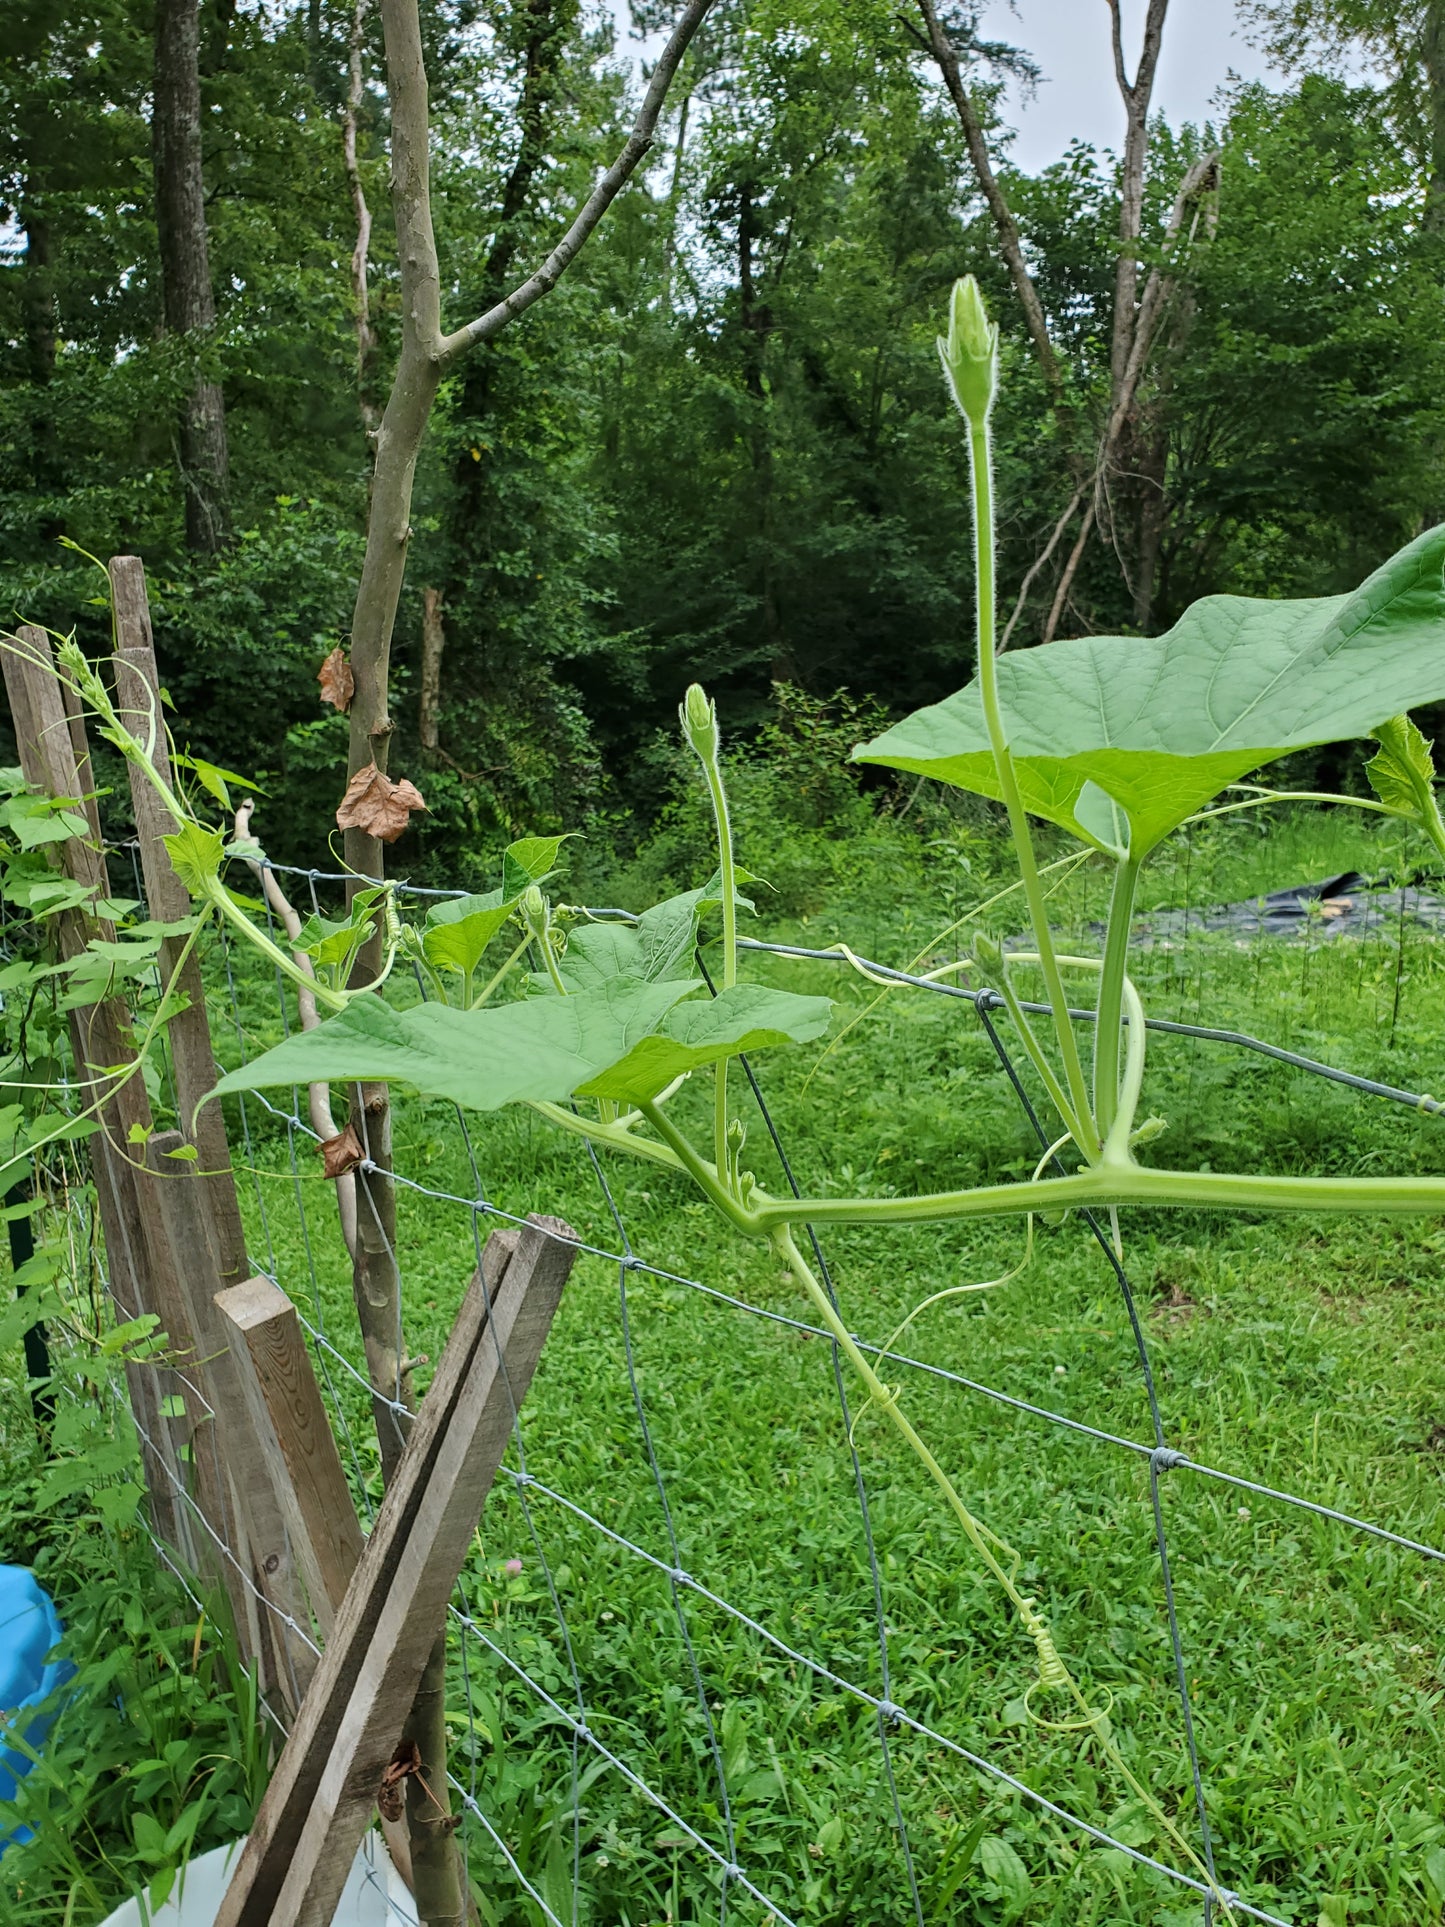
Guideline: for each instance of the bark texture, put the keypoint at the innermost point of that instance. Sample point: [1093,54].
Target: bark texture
[433,647]
[187,299]
[1433,52]
[361,253]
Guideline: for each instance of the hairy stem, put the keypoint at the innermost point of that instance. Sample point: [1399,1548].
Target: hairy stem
[717,792]
[981,463]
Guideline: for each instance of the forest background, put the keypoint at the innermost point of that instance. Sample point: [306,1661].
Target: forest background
[720,450]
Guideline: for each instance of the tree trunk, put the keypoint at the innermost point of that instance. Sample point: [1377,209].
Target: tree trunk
[188,304]
[360,254]
[425,355]
[438,1871]
[1433,47]
[1149,472]
[1137,95]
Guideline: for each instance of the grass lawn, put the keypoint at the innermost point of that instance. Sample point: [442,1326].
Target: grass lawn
[1304,1354]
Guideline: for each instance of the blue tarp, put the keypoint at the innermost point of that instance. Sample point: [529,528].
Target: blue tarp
[29,1628]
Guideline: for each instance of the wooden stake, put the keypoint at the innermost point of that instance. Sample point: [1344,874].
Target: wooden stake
[265,1338]
[189,1032]
[245,1463]
[321,1796]
[100,1036]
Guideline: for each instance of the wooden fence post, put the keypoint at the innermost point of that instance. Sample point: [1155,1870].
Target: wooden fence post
[203,1221]
[264,1334]
[320,1800]
[251,1475]
[100,1041]
[188,1033]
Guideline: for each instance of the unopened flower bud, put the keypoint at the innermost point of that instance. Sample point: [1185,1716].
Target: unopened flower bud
[699,721]
[970,352]
[987,952]
[534,908]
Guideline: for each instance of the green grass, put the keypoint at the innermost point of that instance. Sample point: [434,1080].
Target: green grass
[1304,1354]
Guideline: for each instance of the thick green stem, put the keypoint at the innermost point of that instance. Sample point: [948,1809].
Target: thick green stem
[1114,1181]
[1111,994]
[982,467]
[1035,1052]
[614,1136]
[708,1179]
[1121,1131]
[728,872]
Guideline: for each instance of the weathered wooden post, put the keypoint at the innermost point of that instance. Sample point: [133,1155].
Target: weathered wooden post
[100,1041]
[325,1787]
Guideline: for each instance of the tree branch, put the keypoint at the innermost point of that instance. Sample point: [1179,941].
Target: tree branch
[365,333]
[1131,183]
[1010,245]
[1202,178]
[601,198]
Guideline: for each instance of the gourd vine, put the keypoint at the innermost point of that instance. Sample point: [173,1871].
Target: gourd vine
[597,1025]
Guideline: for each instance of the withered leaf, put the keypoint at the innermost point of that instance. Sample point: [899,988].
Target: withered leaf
[375,804]
[405,1761]
[338,684]
[342,1153]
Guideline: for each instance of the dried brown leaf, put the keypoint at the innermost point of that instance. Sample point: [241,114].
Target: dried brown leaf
[338,684]
[342,1153]
[376,805]
[404,1762]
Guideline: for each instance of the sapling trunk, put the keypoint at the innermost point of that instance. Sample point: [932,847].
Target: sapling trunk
[424,356]
[438,1877]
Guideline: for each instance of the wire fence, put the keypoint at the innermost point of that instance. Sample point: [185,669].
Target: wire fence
[571,1706]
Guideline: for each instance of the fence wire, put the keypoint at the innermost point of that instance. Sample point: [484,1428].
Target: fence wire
[483,1653]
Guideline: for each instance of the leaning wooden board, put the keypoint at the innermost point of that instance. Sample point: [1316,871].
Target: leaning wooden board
[323,1792]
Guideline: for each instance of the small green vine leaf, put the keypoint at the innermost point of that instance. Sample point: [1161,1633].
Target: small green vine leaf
[531,859]
[1402,775]
[196,854]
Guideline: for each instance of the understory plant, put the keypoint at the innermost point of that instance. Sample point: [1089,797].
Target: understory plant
[597,1024]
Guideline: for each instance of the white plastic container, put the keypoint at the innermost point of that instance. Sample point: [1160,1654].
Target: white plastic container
[374,1896]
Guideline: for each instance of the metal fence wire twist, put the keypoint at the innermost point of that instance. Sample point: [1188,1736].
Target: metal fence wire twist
[481,1653]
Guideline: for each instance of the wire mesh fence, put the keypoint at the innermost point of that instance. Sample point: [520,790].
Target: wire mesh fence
[535,1706]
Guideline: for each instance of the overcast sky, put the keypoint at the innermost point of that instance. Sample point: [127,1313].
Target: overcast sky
[1078,98]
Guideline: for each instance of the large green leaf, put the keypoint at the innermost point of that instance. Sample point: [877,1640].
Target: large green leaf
[748,1017]
[625,1039]
[542,1048]
[1161,724]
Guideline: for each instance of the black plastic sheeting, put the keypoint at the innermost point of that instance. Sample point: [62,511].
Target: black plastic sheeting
[1350,905]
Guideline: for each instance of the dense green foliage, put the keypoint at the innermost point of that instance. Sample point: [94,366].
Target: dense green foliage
[717,451]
